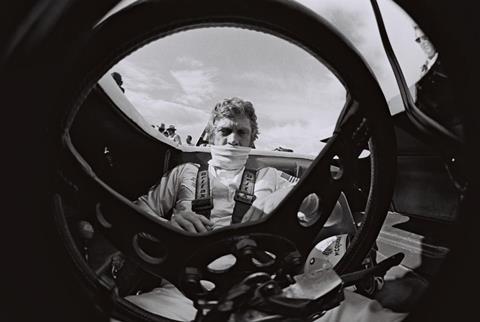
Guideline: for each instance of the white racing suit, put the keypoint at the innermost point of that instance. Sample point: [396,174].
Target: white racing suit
[176,191]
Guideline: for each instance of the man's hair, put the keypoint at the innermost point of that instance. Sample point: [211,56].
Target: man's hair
[233,108]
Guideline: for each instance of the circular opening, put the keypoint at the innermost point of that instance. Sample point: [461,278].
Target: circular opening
[263,259]
[207,285]
[149,248]
[336,216]
[222,264]
[309,212]
[336,168]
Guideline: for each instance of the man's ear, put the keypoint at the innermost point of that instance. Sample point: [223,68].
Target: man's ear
[209,138]
[208,133]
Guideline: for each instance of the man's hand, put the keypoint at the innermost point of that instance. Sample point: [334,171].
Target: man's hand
[191,222]
[262,207]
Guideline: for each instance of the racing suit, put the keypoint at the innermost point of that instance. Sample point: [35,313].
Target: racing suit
[176,190]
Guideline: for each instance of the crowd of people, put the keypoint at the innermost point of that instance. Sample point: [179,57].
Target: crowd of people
[170,133]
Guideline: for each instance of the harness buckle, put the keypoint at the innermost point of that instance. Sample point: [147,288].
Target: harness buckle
[244,197]
[202,204]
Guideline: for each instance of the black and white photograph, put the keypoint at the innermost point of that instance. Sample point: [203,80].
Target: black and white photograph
[240,160]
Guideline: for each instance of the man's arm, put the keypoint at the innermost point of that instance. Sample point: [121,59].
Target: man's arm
[177,184]
[283,184]
[161,198]
[280,184]
[262,207]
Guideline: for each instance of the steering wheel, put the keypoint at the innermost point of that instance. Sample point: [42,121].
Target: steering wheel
[277,244]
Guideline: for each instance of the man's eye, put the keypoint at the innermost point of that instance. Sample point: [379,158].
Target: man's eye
[225,132]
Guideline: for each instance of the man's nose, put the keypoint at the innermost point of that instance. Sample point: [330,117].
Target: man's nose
[233,139]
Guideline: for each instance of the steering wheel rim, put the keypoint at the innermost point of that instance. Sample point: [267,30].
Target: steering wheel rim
[287,20]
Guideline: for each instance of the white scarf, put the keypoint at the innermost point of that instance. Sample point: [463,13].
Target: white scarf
[229,157]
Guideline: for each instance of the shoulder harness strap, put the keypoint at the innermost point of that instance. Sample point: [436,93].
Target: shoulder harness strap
[203,203]
[244,196]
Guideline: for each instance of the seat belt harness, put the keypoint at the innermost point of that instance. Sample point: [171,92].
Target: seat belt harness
[244,196]
[203,203]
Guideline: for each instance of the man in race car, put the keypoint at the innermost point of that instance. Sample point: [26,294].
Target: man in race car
[232,130]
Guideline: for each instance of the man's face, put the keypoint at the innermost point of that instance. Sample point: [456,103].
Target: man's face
[426,46]
[234,132]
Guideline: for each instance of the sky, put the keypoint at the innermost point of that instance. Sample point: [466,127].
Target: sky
[179,79]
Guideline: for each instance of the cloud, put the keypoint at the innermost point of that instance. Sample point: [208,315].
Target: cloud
[137,78]
[302,137]
[290,80]
[162,111]
[262,78]
[356,21]
[187,119]
[308,99]
[197,85]
[299,120]
[187,61]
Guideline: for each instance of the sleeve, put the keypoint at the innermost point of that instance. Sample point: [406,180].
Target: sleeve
[161,198]
[271,188]
[284,180]
[309,207]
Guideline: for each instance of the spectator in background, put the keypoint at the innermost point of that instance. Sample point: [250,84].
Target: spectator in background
[434,89]
[189,140]
[118,79]
[161,128]
[174,136]
[427,48]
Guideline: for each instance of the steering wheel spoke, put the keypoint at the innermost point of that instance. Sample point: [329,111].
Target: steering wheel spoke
[333,171]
